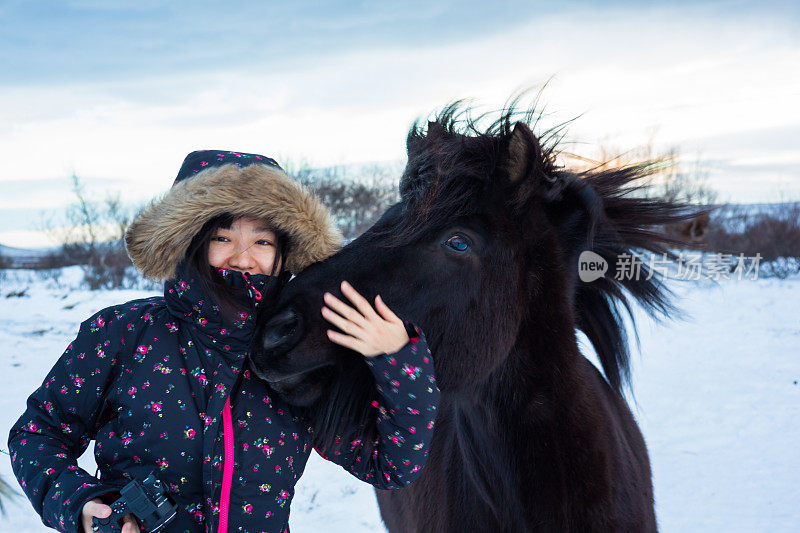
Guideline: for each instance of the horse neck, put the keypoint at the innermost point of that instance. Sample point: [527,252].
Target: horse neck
[495,428]
[544,366]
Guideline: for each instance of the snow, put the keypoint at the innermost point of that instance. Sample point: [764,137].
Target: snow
[716,395]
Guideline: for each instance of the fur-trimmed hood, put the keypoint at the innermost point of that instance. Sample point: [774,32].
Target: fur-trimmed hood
[159,237]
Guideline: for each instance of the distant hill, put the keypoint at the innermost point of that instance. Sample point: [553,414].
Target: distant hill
[11,257]
[10,251]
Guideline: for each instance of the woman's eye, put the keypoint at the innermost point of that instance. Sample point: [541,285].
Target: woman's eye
[457,243]
[219,238]
[264,242]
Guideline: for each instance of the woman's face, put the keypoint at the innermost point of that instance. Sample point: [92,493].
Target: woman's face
[247,246]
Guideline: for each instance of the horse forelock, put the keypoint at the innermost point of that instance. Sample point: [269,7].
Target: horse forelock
[457,168]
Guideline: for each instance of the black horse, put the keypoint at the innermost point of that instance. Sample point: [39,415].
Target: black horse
[482,253]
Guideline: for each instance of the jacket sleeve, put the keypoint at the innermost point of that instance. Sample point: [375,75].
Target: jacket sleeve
[59,423]
[405,412]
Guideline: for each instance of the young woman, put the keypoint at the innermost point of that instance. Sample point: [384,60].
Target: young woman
[162,384]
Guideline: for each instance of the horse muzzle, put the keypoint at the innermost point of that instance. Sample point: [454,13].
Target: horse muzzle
[272,342]
[280,333]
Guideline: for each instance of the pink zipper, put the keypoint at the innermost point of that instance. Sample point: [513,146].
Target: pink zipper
[256,294]
[227,467]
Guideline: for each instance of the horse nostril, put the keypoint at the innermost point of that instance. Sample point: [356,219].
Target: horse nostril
[279,329]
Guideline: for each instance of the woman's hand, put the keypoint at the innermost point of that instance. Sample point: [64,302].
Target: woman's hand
[97,508]
[364,330]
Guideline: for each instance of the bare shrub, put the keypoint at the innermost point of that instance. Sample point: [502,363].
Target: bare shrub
[679,184]
[356,198]
[6,494]
[93,237]
[56,259]
[669,178]
[672,179]
[54,275]
[772,233]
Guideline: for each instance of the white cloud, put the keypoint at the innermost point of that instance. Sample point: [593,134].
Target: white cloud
[690,78]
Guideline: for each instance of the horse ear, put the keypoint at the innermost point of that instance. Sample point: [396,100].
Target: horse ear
[413,141]
[435,129]
[417,137]
[520,146]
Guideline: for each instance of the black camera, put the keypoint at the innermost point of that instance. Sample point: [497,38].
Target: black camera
[147,501]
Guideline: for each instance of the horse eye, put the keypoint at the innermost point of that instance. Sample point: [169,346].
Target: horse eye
[457,243]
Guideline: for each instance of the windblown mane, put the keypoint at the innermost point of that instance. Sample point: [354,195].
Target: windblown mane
[344,413]
[455,164]
[625,223]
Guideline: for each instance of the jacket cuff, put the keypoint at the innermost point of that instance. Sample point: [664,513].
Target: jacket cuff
[414,333]
[388,361]
[62,507]
[412,361]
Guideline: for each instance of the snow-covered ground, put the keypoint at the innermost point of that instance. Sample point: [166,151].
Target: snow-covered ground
[717,397]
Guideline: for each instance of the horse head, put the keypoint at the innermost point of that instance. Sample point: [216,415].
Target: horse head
[481,253]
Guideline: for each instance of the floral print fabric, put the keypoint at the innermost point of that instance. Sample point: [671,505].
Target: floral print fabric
[148,380]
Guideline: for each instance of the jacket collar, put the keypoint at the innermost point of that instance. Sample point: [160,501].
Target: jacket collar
[187,300]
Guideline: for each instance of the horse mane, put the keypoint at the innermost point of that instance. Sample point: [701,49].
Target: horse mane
[623,222]
[344,412]
[454,164]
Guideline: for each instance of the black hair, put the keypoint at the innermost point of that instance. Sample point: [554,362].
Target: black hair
[212,282]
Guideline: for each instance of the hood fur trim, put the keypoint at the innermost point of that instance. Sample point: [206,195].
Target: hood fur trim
[159,237]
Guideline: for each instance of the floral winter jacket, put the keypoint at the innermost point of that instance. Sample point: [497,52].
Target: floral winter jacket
[160,383]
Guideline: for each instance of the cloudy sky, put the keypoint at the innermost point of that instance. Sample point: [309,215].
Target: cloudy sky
[118,92]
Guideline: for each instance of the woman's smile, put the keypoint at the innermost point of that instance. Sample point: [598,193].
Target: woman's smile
[247,246]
